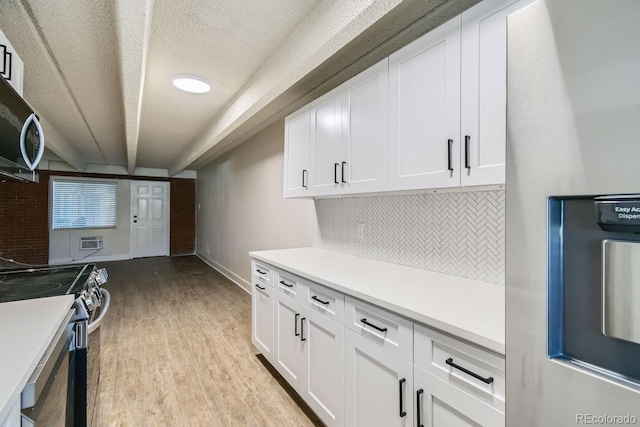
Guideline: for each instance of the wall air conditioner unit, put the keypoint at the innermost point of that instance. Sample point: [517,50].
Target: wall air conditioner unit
[90,243]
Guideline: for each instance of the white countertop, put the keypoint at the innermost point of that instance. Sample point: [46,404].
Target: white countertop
[26,330]
[469,309]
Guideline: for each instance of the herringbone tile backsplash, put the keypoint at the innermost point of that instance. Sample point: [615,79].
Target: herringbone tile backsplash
[460,234]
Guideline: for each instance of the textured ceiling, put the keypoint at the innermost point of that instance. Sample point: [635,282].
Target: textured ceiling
[100,71]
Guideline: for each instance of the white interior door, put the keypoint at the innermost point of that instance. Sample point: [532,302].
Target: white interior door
[149,219]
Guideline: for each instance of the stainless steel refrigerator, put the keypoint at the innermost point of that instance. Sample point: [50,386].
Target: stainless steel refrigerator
[572,282]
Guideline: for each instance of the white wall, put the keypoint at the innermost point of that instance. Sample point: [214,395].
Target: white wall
[241,208]
[64,245]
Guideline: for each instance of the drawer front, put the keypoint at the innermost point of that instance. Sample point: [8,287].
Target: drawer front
[389,330]
[325,301]
[467,367]
[289,284]
[263,272]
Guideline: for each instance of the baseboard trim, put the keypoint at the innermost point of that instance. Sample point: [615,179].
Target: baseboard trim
[243,284]
[101,258]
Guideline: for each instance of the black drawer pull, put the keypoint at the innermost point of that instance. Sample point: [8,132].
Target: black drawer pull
[319,300]
[419,415]
[489,380]
[260,287]
[286,284]
[449,147]
[302,338]
[295,322]
[401,382]
[260,271]
[373,326]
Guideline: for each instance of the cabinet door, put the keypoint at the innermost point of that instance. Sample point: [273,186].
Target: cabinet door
[440,404]
[424,105]
[325,145]
[324,367]
[378,385]
[297,140]
[366,131]
[288,341]
[484,91]
[262,319]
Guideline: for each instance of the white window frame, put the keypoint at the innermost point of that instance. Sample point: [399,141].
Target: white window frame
[81,180]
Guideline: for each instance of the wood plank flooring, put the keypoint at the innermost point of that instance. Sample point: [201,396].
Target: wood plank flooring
[176,351]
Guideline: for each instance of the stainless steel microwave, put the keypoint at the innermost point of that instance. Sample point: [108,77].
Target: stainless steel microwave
[21,137]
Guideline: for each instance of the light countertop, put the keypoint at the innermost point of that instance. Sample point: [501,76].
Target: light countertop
[26,330]
[469,309]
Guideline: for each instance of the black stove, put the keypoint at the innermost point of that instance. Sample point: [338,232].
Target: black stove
[20,284]
[83,281]
[90,305]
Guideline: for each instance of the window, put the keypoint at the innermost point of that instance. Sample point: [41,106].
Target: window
[83,204]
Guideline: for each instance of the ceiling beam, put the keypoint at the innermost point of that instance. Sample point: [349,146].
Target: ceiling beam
[133,20]
[60,147]
[288,82]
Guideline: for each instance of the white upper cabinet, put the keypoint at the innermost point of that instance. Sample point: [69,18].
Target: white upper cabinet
[424,111]
[365,128]
[11,66]
[484,91]
[431,116]
[326,140]
[297,140]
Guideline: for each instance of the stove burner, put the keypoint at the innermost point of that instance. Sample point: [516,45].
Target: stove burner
[31,290]
[42,282]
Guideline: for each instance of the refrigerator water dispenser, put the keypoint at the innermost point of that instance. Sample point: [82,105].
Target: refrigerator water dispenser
[593,293]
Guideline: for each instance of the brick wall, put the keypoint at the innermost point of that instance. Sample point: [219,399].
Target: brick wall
[183,216]
[24,219]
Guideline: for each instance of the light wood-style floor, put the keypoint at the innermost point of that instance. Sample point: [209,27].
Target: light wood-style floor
[176,351]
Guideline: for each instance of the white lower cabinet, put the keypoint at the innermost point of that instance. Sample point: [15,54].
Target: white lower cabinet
[309,355]
[262,319]
[357,364]
[378,385]
[440,404]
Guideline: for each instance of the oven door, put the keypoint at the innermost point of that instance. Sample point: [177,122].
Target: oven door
[44,398]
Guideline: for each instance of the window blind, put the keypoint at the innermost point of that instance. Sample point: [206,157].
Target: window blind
[83,204]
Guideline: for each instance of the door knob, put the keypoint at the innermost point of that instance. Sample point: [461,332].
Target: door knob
[135,216]
[135,221]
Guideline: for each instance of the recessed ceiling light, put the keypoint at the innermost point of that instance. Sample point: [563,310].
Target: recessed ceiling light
[193,84]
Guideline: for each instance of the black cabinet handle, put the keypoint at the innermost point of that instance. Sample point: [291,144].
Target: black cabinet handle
[419,415]
[302,338]
[335,173]
[135,221]
[295,322]
[489,380]
[286,284]
[319,300]
[467,143]
[3,56]
[401,382]
[260,271]
[373,326]
[260,287]
[304,183]
[449,146]
[343,165]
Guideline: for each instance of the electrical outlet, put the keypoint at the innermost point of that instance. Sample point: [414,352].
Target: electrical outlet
[360,230]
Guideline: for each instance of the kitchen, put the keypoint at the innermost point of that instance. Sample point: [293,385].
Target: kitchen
[477,271]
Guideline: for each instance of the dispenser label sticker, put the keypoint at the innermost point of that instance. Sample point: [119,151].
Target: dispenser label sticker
[619,212]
